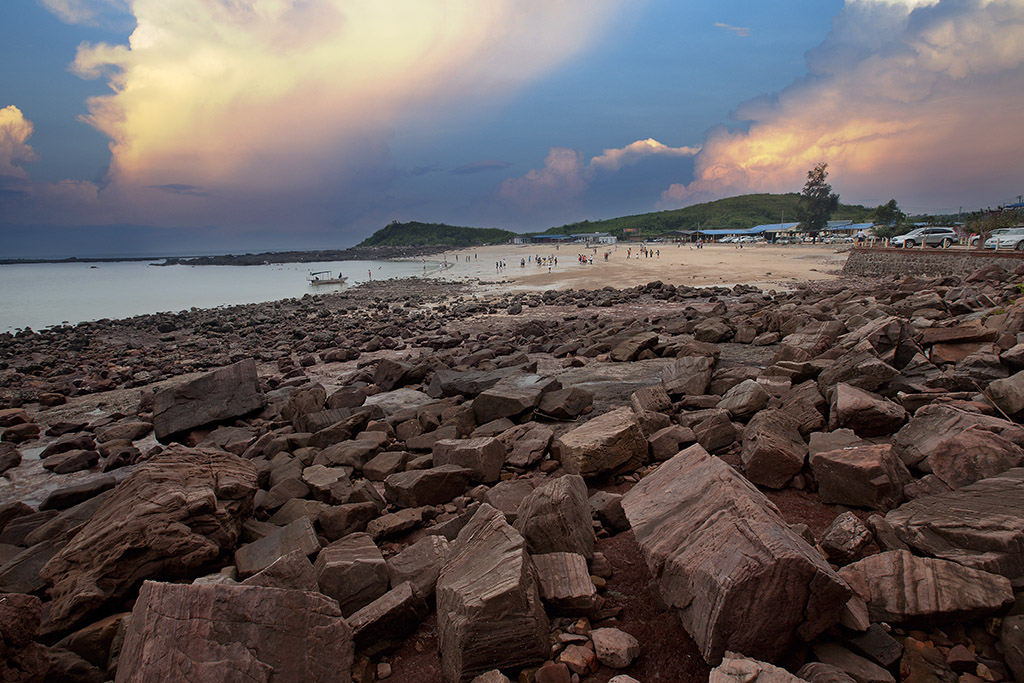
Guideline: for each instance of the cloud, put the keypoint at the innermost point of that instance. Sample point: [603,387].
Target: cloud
[181,188]
[87,12]
[559,182]
[614,159]
[917,99]
[15,152]
[481,167]
[741,31]
[565,178]
[276,97]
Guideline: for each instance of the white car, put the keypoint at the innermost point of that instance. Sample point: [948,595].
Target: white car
[933,237]
[1011,238]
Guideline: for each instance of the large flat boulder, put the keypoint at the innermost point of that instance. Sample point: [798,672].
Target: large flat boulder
[234,633]
[899,587]
[720,553]
[688,376]
[489,611]
[979,526]
[171,516]
[866,475]
[606,444]
[223,394]
[484,455]
[433,486]
[934,423]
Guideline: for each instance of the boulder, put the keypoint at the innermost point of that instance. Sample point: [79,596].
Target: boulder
[506,496]
[168,518]
[744,399]
[720,553]
[433,486]
[234,633]
[975,453]
[859,367]
[934,423]
[384,464]
[773,450]
[10,456]
[555,517]
[512,397]
[715,432]
[223,394]
[736,668]
[256,556]
[614,648]
[608,443]
[445,382]
[864,476]
[856,667]
[526,444]
[420,564]
[668,441]
[688,376]
[71,461]
[565,583]
[846,539]
[338,521]
[629,349]
[1008,394]
[484,456]
[21,658]
[352,571]
[565,404]
[865,413]
[607,507]
[386,621]
[292,571]
[489,611]
[902,588]
[980,525]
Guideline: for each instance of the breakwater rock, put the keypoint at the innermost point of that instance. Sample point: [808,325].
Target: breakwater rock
[428,483]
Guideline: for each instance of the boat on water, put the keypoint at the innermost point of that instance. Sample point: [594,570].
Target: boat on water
[325,277]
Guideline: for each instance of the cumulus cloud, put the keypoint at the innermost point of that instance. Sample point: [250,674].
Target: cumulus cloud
[741,31]
[565,177]
[917,99]
[274,97]
[88,12]
[15,152]
[614,159]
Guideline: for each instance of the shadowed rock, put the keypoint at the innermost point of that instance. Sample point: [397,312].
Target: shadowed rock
[234,633]
[223,394]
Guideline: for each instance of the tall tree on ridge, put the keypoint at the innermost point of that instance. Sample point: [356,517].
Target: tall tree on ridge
[817,201]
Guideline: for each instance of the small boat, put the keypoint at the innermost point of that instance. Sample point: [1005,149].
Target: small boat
[324,277]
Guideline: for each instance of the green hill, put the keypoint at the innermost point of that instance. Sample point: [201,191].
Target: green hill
[414,234]
[744,211]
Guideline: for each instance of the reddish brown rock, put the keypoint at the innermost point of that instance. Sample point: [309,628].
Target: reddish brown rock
[565,404]
[865,413]
[688,376]
[71,461]
[773,450]
[21,659]
[720,553]
[608,443]
[565,583]
[555,517]
[223,394]
[864,476]
[736,668]
[488,605]
[10,457]
[171,516]
[352,571]
[934,423]
[973,454]
[899,588]
[234,633]
[433,486]
[484,456]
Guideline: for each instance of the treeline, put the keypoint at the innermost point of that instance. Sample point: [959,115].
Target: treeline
[744,211]
[435,234]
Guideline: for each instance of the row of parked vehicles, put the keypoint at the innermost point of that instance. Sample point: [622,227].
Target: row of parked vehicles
[1003,238]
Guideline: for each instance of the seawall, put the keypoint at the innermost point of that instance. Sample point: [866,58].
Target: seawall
[928,262]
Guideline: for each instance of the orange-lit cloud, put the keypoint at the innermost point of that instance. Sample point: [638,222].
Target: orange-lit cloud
[271,96]
[917,99]
[15,152]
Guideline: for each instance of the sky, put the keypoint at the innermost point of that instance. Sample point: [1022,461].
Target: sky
[205,126]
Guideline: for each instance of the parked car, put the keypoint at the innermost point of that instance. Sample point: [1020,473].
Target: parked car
[933,237]
[1010,238]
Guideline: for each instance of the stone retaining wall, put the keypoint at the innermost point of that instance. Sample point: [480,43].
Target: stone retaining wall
[928,262]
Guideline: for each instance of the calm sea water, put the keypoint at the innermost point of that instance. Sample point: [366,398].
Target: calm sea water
[43,295]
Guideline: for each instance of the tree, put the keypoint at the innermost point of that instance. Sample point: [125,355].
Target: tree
[817,201]
[888,219]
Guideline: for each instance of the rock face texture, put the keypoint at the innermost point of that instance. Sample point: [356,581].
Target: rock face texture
[721,554]
[234,633]
[229,392]
[979,526]
[556,518]
[605,444]
[865,476]
[899,587]
[169,517]
[488,605]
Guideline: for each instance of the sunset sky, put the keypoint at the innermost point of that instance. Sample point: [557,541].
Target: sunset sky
[155,127]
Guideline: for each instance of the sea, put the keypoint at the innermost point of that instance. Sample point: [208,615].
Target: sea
[41,295]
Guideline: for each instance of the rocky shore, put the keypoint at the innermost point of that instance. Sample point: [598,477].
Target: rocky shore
[417,481]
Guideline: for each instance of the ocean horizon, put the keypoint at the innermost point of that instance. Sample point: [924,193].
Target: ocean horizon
[41,295]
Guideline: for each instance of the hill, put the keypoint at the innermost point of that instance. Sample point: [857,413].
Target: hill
[744,211]
[435,234]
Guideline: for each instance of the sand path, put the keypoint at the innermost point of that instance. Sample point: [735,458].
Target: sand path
[765,266]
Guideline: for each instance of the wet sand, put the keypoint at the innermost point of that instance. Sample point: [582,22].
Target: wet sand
[761,265]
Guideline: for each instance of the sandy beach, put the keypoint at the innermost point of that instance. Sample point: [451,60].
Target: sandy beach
[761,265]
